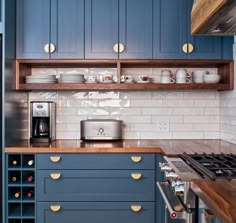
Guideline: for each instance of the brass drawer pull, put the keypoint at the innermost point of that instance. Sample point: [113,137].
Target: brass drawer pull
[136,208]
[136,159]
[185,48]
[55,176]
[55,159]
[55,208]
[136,176]
[190,48]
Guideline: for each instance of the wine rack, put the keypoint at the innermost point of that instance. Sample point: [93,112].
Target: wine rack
[20,188]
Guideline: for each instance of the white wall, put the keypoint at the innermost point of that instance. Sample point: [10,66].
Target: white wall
[187,114]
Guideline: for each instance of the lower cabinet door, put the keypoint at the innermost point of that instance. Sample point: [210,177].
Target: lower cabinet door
[99,212]
[95,185]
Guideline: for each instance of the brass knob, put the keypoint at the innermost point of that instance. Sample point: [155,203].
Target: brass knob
[136,159]
[55,159]
[116,48]
[52,48]
[47,48]
[136,208]
[185,48]
[121,48]
[190,48]
[136,176]
[55,176]
[55,208]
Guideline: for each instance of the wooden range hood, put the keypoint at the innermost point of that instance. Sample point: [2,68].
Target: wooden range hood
[214,17]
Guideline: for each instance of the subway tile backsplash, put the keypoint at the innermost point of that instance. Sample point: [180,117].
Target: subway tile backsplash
[185,114]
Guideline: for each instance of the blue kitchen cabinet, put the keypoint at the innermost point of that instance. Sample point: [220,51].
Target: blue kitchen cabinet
[135,29]
[33,28]
[96,185]
[172,37]
[101,28]
[50,29]
[99,212]
[59,161]
[118,29]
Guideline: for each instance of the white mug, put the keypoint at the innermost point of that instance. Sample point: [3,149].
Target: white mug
[166,73]
[91,78]
[143,77]
[128,78]
[182,74]
[183,80]
[167,80]
[198,76]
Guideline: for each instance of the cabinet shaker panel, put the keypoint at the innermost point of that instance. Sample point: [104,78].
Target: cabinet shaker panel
[169,29]
[101,29]
[32,28]
[135,29]
[67,29]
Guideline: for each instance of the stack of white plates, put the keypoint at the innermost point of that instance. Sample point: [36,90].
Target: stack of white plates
[72,78]
[41,79]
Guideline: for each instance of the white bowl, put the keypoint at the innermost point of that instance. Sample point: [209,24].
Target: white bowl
[211,78]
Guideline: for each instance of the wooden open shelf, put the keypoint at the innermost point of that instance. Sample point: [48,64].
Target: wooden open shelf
[225,69]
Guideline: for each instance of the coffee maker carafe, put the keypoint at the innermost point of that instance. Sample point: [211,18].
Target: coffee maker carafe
[42,121]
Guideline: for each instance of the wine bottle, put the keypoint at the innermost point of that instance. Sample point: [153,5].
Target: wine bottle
[30,162]
[30,194]
[14,162]
[30,178]
[17,194]
[14,179]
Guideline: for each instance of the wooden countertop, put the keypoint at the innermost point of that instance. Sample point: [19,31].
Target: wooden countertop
[219,196]
[168,147]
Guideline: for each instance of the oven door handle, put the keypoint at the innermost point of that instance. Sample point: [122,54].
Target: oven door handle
[175,207]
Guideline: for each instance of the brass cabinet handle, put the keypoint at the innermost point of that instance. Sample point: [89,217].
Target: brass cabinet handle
[190,48]
[121,48]
[185,48]
[55,159]
[136,208]
[47,48]
[136,159]
[55,176]
[55,208]
[52,48]
[136,176]
[116,48]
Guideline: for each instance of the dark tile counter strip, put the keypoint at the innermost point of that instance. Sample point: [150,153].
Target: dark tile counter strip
[219,196]
[167,147]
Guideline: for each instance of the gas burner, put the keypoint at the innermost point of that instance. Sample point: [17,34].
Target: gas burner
[212,166]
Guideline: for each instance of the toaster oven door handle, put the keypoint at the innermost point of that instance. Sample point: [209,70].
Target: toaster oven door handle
[175,207]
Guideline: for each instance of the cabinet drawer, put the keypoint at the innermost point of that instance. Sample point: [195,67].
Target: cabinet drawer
[99,212]
[96,161]
[95,185]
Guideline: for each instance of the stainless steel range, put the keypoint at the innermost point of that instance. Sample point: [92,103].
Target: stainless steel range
[181,202]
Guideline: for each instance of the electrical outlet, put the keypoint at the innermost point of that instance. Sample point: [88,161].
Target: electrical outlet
[162,126]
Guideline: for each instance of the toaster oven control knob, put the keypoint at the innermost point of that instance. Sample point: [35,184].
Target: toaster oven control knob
[101,130]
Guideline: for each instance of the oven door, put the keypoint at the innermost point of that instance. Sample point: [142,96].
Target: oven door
[175,211]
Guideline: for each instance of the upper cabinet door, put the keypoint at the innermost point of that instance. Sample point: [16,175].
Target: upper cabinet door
[67,29]
[204,47]
[169,29]
[101,29]
[135,29]
[32,28]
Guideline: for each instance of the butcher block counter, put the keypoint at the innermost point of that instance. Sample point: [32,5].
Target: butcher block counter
[219,196]
[167,147]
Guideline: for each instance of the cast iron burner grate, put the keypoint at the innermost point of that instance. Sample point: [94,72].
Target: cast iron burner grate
[213,166]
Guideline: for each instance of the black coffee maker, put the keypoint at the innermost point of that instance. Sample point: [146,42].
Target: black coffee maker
[42,121]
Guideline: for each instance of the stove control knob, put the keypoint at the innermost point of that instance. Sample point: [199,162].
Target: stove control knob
[171,174]
[165,167]
[179,190]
